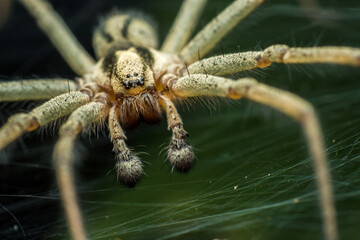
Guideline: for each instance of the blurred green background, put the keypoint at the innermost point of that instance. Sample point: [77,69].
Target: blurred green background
[253,178]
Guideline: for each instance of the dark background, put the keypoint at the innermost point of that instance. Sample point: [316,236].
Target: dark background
[239,145]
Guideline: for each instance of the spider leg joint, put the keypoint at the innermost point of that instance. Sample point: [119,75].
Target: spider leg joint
[274,53]
[241,87]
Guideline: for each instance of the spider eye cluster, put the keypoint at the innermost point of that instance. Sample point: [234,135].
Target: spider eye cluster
[133,81]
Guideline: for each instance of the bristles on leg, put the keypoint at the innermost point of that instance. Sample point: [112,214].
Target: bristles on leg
[180,154]
[128,166]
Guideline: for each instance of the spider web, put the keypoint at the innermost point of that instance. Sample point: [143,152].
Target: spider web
[253,178]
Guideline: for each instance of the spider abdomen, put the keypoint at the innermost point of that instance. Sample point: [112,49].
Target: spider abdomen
[121,30]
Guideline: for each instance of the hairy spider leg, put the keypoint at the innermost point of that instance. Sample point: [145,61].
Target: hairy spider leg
[212,33]
[290,104]
[128,166]
[49,111]
[236,62]
[63,158]
[35,89]
[180,154]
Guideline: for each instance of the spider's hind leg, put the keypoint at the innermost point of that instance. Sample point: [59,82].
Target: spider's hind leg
[128,165]
[180,154]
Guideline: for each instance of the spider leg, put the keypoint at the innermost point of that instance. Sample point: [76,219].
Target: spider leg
[287,55]
[207,38]
[60,35]
[286,102]
[232,63]
[34,89]
[180,154]
[63,160]
[49,111]
[128,165]
[226,64]
[183,25]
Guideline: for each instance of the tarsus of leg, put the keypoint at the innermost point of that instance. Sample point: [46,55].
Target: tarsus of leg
[207,38]
[232,63]
[60,35]
[288,103]
[50,111]
[180,154]
[64,157]
[183,25]
[35,89]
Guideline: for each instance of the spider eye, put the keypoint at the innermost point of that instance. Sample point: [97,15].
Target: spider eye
[128,75]
[141,79]
[126,85]
[136,74]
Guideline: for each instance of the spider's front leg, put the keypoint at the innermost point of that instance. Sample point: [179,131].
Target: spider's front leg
[286,102]
[49,111]
[180,154]
[128,165]
[236,62]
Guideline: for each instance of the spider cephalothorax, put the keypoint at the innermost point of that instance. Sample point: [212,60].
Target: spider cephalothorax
[136,83]
[132,81]
[129,81]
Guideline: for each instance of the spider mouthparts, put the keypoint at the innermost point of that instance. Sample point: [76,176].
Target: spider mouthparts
[129,170]
[181,155]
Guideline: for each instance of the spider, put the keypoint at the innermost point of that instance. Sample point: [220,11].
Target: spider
[131,81]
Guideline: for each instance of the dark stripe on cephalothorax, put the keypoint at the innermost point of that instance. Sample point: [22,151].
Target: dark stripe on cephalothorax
[125,29]
[109,63]
[105,34]
[146,56]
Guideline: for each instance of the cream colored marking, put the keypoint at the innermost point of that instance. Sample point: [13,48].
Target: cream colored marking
[139,33]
